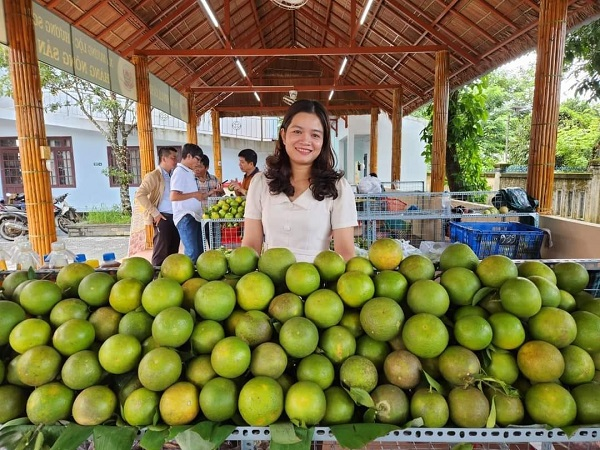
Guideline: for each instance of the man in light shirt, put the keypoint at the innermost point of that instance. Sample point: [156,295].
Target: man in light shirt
[187,201]
[153,196]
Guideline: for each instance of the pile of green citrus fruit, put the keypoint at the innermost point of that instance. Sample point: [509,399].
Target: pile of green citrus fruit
[226,208]
[253,340]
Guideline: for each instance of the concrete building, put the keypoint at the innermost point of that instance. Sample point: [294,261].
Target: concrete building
[81,153]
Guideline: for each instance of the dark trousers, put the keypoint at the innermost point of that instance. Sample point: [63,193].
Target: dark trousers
[166,240]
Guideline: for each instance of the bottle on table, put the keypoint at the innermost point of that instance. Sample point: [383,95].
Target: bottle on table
[80,258]
[447,203]
[24,257]
[4,258]
[93,263]
[59,256]
[109,260]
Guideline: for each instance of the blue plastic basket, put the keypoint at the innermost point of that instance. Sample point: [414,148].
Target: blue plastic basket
[512,239]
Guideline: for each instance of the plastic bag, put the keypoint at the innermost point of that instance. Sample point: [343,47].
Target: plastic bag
[432,249]
[516,199]
[369,185]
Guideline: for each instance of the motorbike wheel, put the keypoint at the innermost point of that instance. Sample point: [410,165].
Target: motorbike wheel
[62,223]
[13,228]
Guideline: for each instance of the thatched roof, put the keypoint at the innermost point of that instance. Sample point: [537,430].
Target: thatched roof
[303,49]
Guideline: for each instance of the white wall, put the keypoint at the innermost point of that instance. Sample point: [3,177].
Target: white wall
[90,155]
[357,133]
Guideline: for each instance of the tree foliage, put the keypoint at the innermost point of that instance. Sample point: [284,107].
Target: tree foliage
[582,58]
[112,114]
[466,115]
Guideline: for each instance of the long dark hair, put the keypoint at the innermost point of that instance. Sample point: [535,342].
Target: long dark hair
[323,176]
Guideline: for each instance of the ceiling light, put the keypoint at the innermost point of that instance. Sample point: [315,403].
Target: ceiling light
[363,17]
[240,67]
[343,66]
[211,15]
[290,4]
[257,97]
[331,95]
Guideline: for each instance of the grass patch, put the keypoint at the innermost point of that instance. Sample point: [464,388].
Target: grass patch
[104,214]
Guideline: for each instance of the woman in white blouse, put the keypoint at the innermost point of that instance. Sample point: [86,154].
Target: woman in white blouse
[300,201]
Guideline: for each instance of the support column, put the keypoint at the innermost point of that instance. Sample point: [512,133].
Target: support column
[192,123]
[216,132]
[144,114]
[31,129]
[441,91]
[552,30]
[396,135]
[374,139]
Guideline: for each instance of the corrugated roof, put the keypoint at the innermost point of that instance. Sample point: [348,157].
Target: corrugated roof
[283,50]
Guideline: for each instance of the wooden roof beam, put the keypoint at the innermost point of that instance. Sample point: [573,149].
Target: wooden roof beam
[299,88]
[212,52]
[449,8]
[497,14]
[283,109]
[130,46]
[437,34]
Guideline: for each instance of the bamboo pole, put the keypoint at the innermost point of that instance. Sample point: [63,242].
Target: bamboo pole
[216,129]
[144,114]
[31,129]
[192,123]
[441,91]
[396,134]
[374,139]
[552,31]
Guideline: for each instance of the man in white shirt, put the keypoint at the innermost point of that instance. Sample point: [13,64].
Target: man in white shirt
[186,200]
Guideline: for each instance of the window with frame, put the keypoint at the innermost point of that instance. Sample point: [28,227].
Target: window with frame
[134,166]
[62,167]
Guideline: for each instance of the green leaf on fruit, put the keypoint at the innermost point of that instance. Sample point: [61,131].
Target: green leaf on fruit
[213,432]
[361,397]
[415,423]
[72,436]
[113,438]
[190,440]
[283,433]
[433,383]
[302,441]
[491,420]
[358,435]
[154,439]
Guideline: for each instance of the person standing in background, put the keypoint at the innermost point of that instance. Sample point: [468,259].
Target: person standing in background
[300,201]
[206,181]
[153,196]
[248,160]
[186,200]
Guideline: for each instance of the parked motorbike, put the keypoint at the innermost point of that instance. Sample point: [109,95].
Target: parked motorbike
[64,214]
[13,217]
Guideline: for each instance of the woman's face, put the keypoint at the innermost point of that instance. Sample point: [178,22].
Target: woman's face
[303,138]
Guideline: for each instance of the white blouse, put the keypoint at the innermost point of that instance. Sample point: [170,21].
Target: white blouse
[304,226]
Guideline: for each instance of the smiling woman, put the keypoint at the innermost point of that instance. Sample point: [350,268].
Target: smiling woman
[300,201]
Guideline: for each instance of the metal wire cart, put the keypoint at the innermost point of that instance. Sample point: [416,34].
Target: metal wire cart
[414,216]
[427,216]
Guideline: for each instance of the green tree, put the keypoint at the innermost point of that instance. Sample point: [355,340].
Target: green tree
[466,115]
[117,113]
[582,58]
[578,139]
